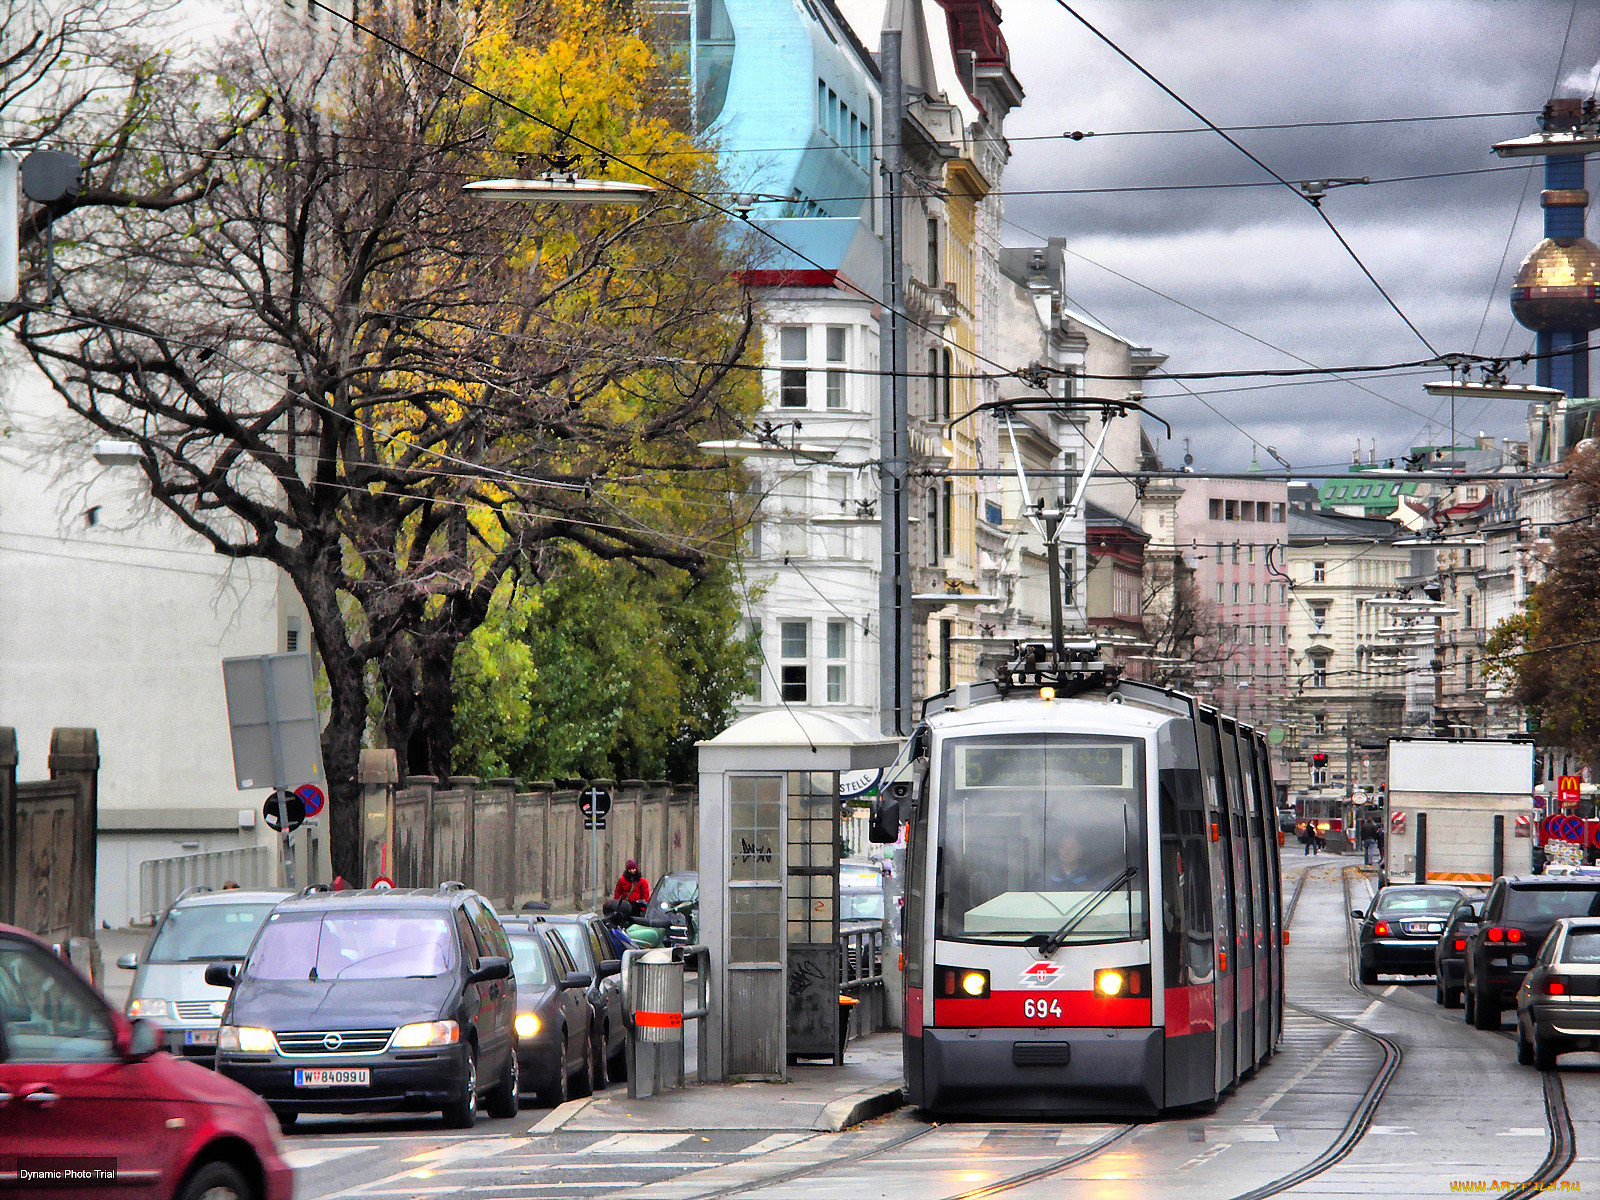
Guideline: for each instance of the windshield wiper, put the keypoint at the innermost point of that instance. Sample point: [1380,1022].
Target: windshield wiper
[1059,938]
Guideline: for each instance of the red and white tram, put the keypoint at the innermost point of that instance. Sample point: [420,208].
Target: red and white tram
[1093,912]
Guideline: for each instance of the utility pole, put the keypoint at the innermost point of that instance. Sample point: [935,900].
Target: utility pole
[894,586]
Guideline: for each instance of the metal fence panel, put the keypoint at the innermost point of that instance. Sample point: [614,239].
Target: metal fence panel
[162,879]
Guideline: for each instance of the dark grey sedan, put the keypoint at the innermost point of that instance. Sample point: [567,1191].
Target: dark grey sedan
[1399,933]
[1450,953]
[585,937]
[552,1014]
[1558,1004]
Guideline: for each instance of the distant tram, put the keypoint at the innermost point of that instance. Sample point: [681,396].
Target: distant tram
[1093,910]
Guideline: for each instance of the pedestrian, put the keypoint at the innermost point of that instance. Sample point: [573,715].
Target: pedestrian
[1307,837]
[632,887]
[231,885]
[1369,841]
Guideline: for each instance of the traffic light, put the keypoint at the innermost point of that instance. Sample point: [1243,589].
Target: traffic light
[1319,759]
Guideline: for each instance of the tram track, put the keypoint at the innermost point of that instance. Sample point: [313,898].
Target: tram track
[1563,1142]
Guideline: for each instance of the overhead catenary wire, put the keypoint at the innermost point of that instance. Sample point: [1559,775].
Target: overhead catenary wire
[1212,125]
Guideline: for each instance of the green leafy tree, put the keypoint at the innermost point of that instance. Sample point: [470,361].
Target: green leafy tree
[601,670]
[1549,654]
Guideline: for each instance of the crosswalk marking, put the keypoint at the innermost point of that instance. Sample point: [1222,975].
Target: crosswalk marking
[303,1157]
[954,1139]
[1084,1135]
[637,1143]
[1242,1133]
[776,1141]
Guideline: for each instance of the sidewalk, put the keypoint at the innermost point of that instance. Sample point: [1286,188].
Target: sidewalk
[818,1097]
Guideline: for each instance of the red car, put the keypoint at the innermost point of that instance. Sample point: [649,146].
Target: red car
[90,1105]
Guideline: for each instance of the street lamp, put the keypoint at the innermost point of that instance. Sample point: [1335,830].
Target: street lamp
[562,189]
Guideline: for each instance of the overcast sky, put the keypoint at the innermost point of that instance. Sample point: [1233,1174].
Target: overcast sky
[1259,258]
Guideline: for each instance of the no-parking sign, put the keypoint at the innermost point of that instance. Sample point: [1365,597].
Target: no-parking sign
[312,797]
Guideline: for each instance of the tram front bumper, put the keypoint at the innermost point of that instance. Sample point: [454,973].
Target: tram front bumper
[1042,1072]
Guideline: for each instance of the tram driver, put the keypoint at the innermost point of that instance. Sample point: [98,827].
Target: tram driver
[1071,868]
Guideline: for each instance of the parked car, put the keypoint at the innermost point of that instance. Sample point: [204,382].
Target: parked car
[1400,931]
[78,1080]
[675,888]
[375,1001]
[861,894]
[1450,953]
[591,948]
[1558,1004]
[554,1018]
[1517,916]
[169,975]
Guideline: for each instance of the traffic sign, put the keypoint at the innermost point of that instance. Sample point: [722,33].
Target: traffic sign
[594,822]
[382,884]
[312,797]
[294,809]
[1563,829]
[595,802]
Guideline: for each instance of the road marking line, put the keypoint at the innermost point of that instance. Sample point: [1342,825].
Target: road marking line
[636,1143]
[1243,1133]
[1084,1135]
[1526,1132]
[302,1157]
[1205,1155]
[561,1114]
[1392,1130]
[776,1141]
[1311,1066]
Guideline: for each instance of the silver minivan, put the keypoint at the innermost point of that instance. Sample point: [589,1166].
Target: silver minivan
[169,985]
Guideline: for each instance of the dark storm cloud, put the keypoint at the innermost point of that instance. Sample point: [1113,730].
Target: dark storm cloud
[1259,258]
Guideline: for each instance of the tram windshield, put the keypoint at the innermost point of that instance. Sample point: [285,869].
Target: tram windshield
[1041,835]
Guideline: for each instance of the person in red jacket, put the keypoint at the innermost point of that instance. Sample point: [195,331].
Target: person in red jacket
[633,887]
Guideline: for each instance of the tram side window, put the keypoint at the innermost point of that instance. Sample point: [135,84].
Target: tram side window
[1186,867]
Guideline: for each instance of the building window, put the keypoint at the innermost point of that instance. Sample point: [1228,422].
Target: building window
[1236,593]
[1319,572]
[1219,593]
[1250,552]
[1216,509]
[947,666]
[1319,723]
[946,386]
[1230,510]
[1466,670]
[1467,609]
[1252,629]
[838,648]
[794,500]
[933,253]
[792,380]
[1319,671]
[1277,513]
[1252,593]
[1319,613]
[793,650]
[934,541]
[836,359]
[1283,635]
[1283,593]
[933,385]
[1266,635]
[1235,554]
[752,683]
[949,529]
[1069,576]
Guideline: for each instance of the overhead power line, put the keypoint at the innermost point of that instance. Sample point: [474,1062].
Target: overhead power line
[1313,201]
[1079,135]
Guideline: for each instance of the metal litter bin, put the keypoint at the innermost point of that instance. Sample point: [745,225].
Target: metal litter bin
[658,1007]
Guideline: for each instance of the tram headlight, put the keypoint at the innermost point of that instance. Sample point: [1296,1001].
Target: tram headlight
[1122,983]
[963,983]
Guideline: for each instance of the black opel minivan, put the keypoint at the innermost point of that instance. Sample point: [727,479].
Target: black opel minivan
[374,1001]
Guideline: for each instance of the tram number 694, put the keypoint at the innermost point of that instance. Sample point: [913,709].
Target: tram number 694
[1041,1010]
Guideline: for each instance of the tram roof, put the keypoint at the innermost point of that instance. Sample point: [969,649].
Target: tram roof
[1064,715]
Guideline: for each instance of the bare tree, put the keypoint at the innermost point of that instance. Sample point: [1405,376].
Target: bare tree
[1188,639]
[332,361]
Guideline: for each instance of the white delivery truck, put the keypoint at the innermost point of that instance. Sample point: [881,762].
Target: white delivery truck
[1453,808]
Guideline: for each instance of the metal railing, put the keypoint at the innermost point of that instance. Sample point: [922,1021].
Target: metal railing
[861,978]
[161,880]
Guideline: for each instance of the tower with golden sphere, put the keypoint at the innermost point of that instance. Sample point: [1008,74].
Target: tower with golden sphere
[1557,289]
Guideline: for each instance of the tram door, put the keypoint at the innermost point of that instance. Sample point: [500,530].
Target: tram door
[1244,923]
[1222,895]
[1274,888]
[1271,898]
[1265,971]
